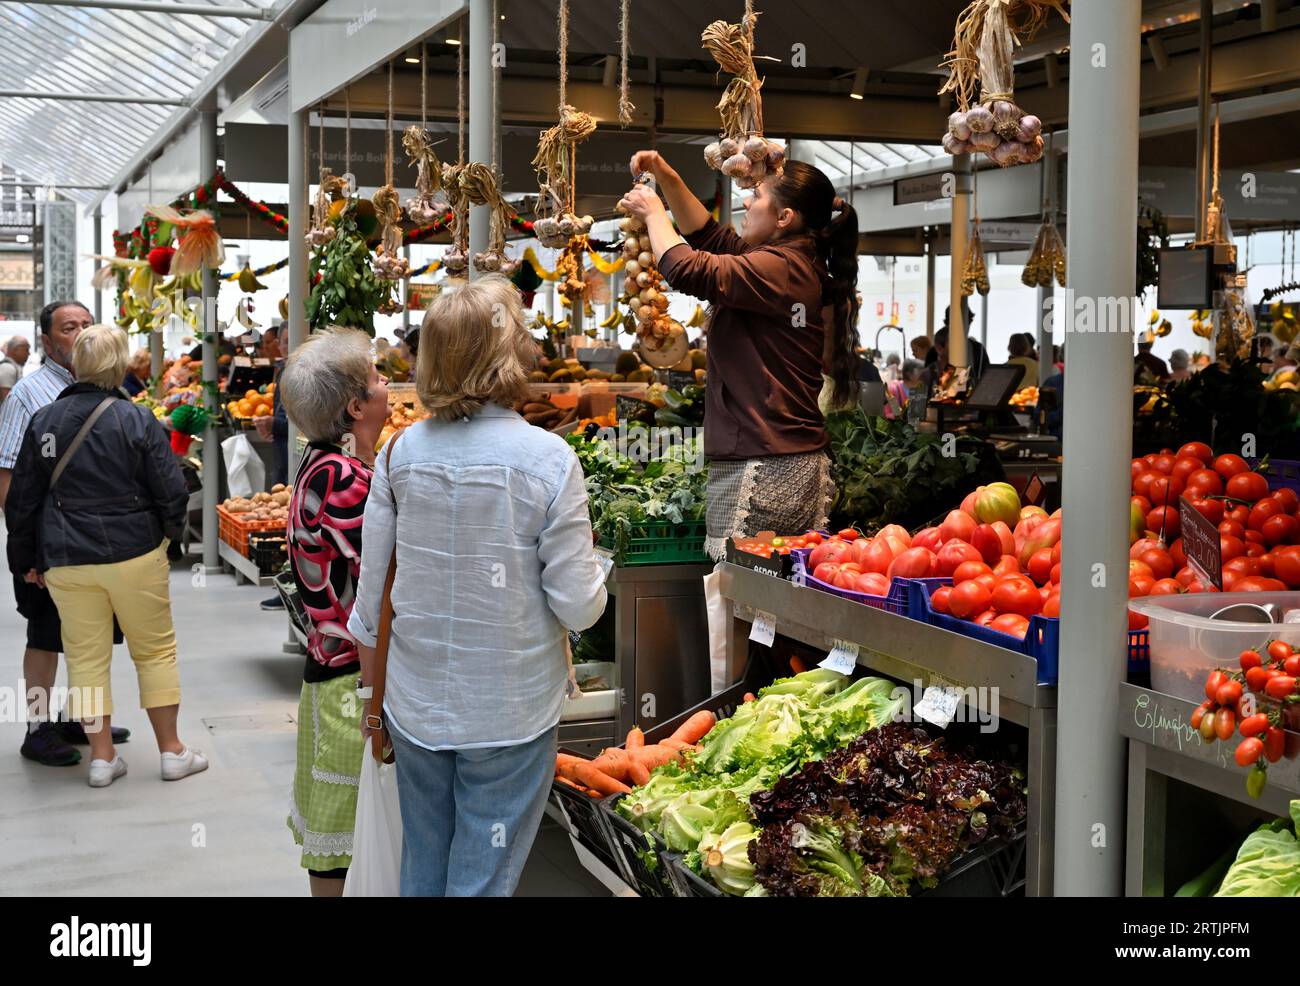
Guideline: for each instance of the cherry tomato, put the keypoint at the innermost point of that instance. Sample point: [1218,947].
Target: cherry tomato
[1274,744]
[1253,537]
[1256,677]
[1198,450]
[1207,728]
[1228,693]
[1186,576]
[1253,725]
[1199,714]
[1225,724]
[1248,486]
[1279,651]
[1230,465]
[1291,666]
[848,534]
[1250,659]
[813,537]
[1136,568]
[1215,681]
[1280,686]
[1267,567]
[1248,751]
[1257,583]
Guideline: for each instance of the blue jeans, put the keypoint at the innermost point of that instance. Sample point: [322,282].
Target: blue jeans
[469,817]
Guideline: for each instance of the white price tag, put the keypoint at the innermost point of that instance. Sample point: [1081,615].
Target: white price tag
[605,559]
[939,704]
[842,658]
[763,630]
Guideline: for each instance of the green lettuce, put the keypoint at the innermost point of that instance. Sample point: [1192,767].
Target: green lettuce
[1268,862]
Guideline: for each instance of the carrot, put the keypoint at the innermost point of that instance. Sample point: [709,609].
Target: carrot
[749,697]
[796,665]
[568,783]
[588,774]
[674,744]
[614,762]
[695,728]
[637,773]
[654,756]
[635,738]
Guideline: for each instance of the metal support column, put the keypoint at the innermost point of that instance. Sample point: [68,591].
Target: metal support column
[208,335]
[1042,337]
[960,237]
[299,190]
[984,323]
[1203,124]
[931,238]
[724,201]
[98,217]
[1105,62]
[482,111]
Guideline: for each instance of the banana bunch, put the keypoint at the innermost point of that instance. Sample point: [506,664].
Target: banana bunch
[134,313]
[1203,323]
[697,318]
[1285,327]
[1157,327]
[1046,259]
[247,280]
[975,274]
[612,320]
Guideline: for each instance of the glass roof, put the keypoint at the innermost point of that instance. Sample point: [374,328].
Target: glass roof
[132,53]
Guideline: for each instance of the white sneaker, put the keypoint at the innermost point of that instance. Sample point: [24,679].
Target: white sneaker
[105,772]
[178,765]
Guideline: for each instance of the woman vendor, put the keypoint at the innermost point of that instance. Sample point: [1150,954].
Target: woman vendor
[783,294]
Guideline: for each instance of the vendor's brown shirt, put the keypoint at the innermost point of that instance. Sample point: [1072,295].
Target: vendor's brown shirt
[765,339]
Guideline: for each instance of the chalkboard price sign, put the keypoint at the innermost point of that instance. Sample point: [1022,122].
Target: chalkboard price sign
[1201,544]
[679,380]
[1034,490]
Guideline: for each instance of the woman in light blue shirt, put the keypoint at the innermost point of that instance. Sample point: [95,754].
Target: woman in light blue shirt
[494,562]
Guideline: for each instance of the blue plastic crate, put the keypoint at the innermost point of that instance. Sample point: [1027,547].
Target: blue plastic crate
[1042,642]
[895,601]
[1281,473]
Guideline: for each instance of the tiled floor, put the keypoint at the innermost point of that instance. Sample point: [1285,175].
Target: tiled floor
[216,834]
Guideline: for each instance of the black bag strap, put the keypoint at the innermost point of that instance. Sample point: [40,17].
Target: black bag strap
[78,438]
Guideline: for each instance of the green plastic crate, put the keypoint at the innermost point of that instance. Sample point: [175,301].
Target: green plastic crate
[664,544]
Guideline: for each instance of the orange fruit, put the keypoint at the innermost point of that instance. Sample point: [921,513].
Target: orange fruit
[251,395]
[246,408]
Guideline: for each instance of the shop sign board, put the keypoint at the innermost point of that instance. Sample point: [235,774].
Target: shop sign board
[997,234]
[921,188]
[345,39]
[1255,195]
[17,272]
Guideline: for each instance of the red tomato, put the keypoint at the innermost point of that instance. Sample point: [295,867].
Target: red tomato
[1229,465]
[1165,491]
[1257,583]
[1185,465]
[1288,497]
[1225,724]
[1150,459]
[1274,744]
[1263,510]
[1165,520]
[813,537]
[969,570]
[1248,752]
[1142,503]
[1243,566]
[1012,623]
[1228,693]
[1253,537]
[1142,485]
[1231,547]
[828,551]
[1164,463]
[1055,575]
[1280,686]
[1256,678]
[1198,450]
[928,538]
[1056,553]
[1240,513]
[988,580]
[1250,659]
[1266,567]
[1137,621]
[1249,486]
[1286,566]
[1007,565]
[986,617]
[1165,587]
[873,583]
[1159,561]
[1279,650]
[1040,565]
[1292,665]
[1136,468]
[914,563]
[1255,550]
[849,534]
[1212,510]
[1136,567]
[1204,482]
[1053,605]
[1185,576]
[1253,725]
[939,600]
[1280,528]
[874,555]
[1177,554]
[953,554]
[1230,528]
[1140,585]
[1230,579]
[1017,594]
[897,532]
[968,599]
[958,524]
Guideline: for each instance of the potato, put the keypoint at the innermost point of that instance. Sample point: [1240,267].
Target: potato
[277,488]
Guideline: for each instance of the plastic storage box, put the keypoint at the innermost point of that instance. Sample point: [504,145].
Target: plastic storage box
[1186,645]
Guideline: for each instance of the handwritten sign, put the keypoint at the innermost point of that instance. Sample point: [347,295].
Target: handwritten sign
[680,380]
[763,630]
[1201,544]
[631,408]
[939,704]
[605,559]
[1034,491]
[842,658]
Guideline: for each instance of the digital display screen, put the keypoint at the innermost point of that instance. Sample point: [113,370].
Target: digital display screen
[1186,278]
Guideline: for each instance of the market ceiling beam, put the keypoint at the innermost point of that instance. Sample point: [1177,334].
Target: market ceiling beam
[243,13]
[92,97]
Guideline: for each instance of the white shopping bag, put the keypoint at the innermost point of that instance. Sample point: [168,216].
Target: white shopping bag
[245,473]
[377,836]
[719,627]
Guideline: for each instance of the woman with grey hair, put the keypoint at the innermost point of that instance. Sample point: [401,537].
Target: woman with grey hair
[333,393]
[1179,363]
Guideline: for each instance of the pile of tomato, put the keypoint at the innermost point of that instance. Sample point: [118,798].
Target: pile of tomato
[1259,530]
[782,544]
[1232,705]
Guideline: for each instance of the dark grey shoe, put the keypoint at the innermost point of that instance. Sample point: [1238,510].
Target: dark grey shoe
[48,747]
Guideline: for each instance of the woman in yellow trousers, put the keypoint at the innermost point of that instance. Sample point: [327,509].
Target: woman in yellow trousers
[95,489]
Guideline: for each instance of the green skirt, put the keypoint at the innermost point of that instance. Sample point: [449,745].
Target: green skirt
[323,811]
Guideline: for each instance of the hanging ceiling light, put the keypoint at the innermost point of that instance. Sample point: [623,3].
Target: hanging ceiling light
[859,90]
[413,56]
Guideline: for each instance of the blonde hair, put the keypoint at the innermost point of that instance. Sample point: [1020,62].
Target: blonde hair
[141,363]
[100,355]
[473,350]
[321,377]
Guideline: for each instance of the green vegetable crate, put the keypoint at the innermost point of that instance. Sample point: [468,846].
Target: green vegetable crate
[663,544]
